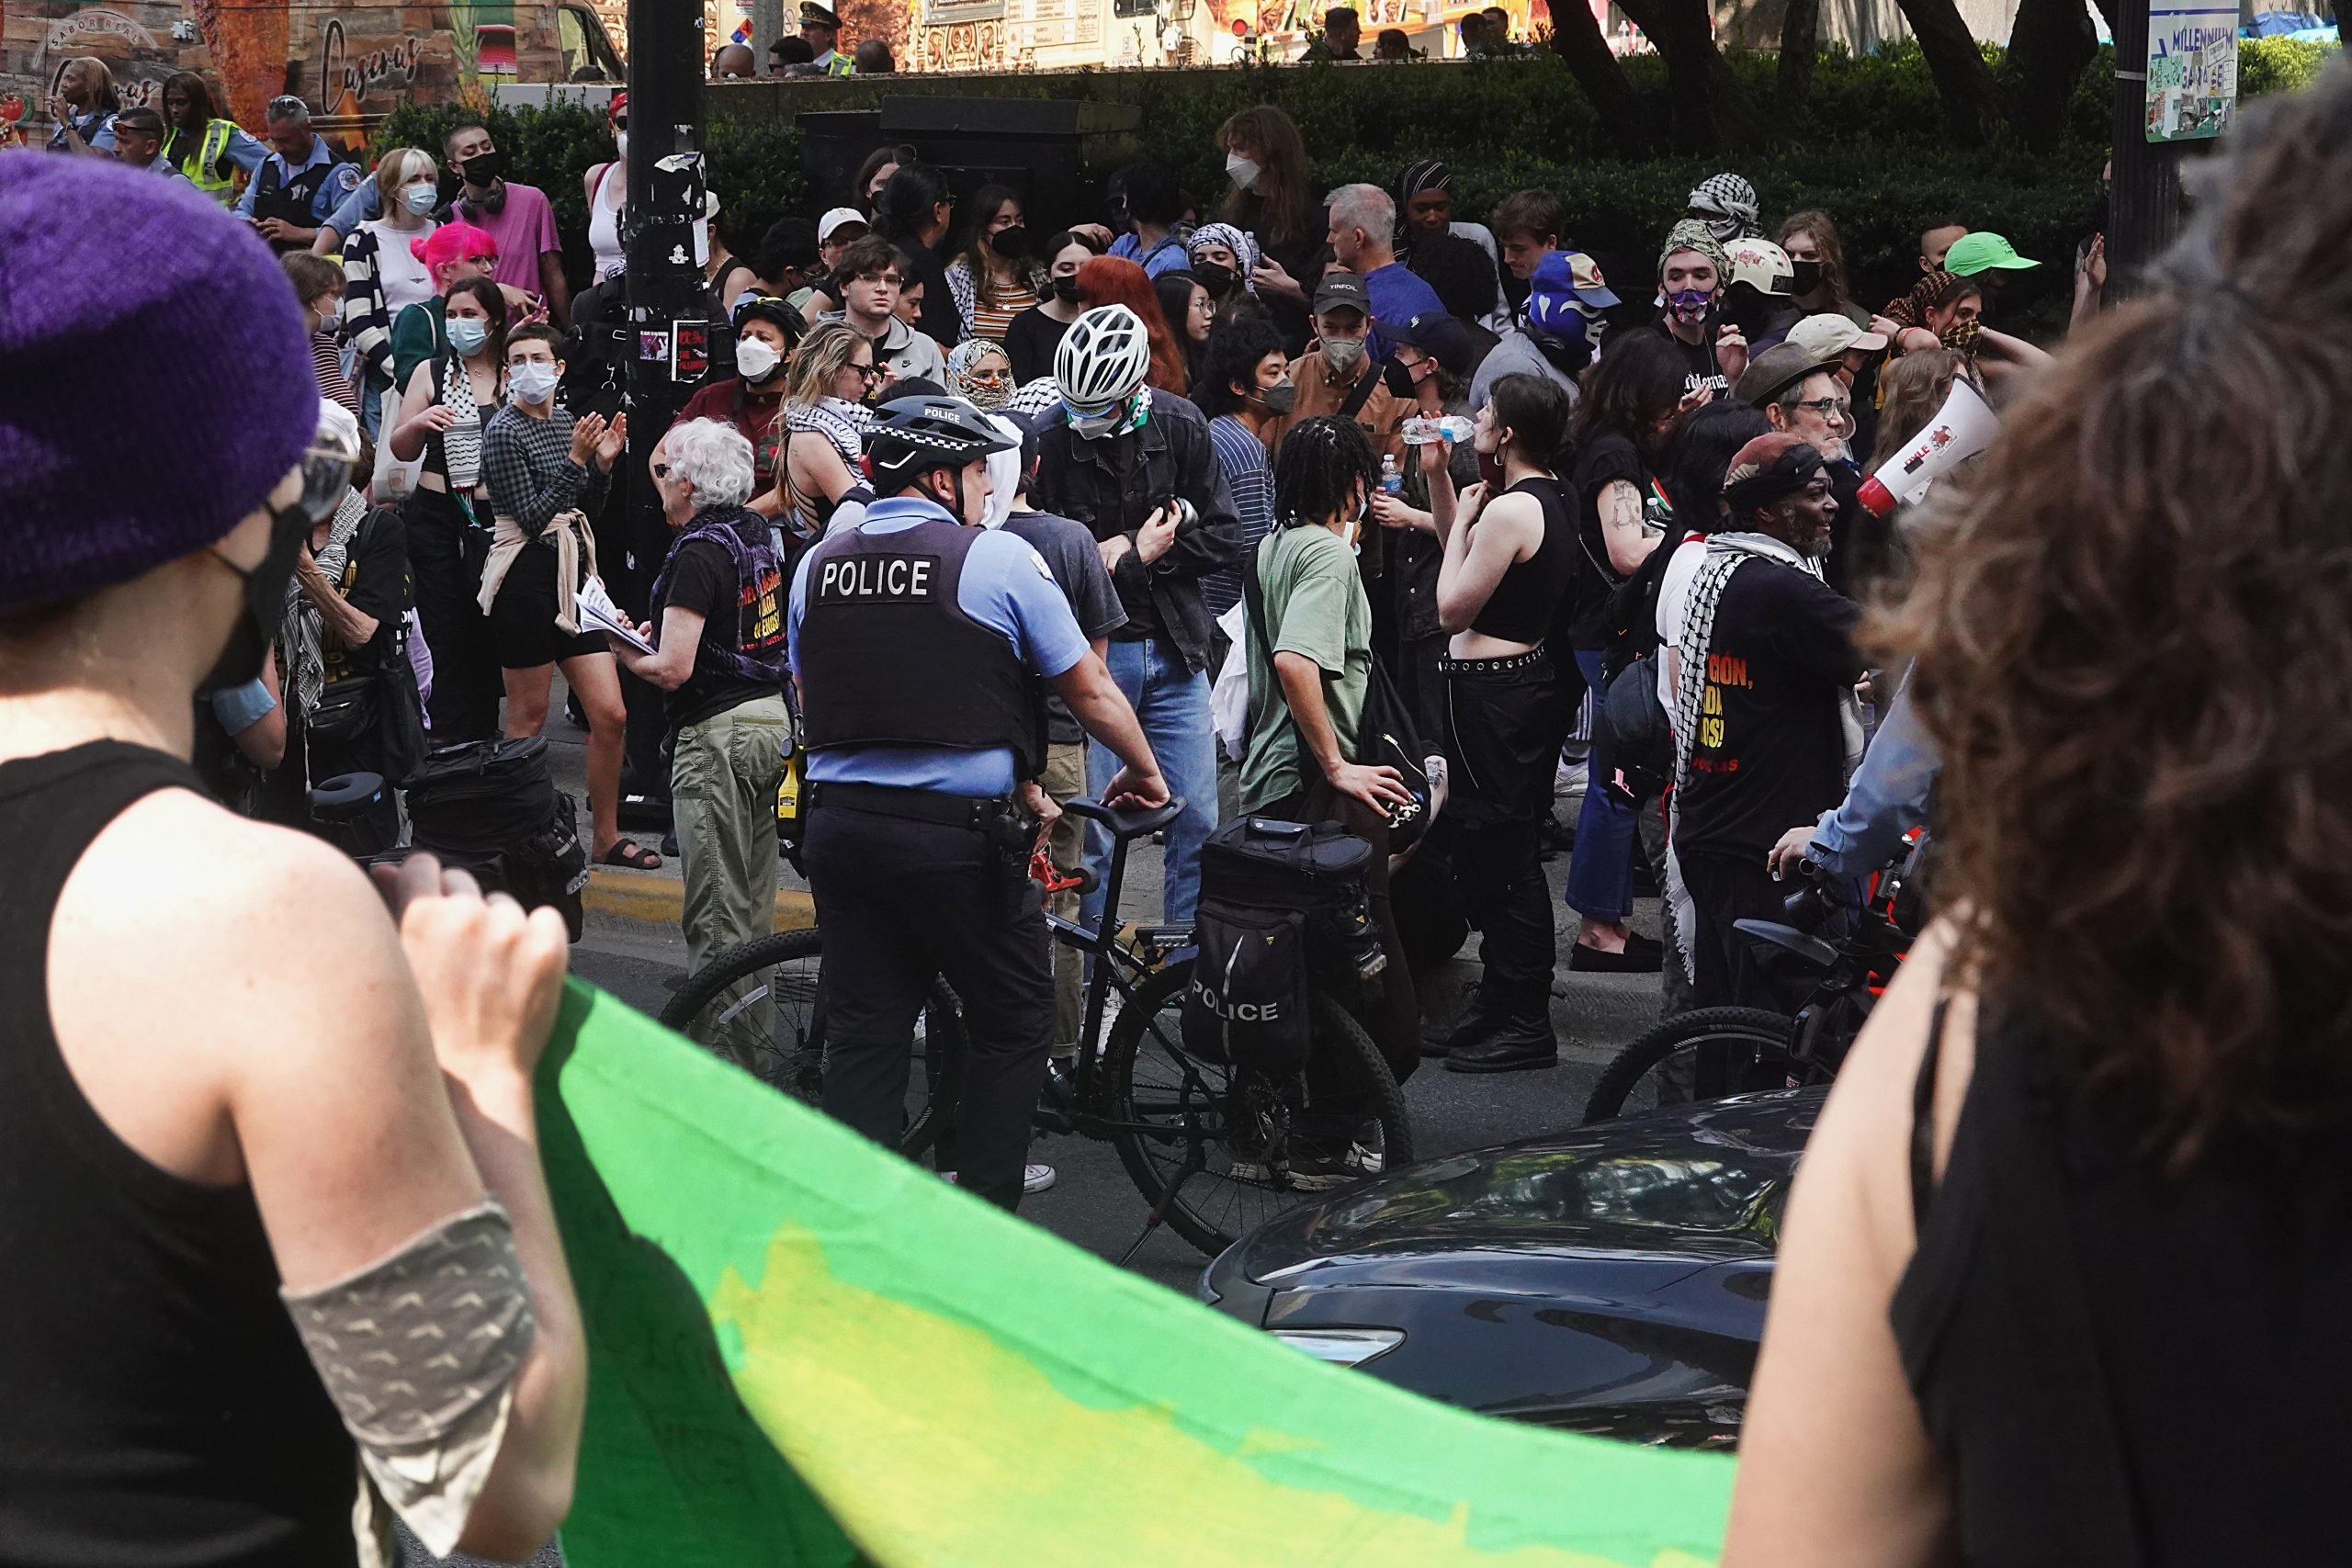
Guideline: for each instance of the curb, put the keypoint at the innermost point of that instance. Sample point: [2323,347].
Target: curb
[650,898]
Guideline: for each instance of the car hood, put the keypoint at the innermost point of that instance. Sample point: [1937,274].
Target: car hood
[1657,1195]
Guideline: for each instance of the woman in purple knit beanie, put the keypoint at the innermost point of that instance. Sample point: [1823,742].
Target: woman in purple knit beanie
[244,1110]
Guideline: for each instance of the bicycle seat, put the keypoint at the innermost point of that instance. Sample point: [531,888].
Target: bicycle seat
[343,798]
[1810,949]
[1127,823]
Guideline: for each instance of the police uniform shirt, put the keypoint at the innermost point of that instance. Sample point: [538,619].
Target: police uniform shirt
[1007,587]
[341,184]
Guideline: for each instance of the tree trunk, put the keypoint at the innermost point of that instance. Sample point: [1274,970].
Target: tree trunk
[1709,107]
[1964,83]
[1800,41]
[2050,44]
[1576,38]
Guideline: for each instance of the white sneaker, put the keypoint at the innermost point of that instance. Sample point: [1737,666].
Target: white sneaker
[1034,1178]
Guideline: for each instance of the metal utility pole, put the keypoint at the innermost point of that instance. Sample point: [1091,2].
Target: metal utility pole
[2143,200]
[670,345]
[767,26]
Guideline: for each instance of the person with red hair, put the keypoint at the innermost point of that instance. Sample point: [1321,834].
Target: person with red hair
[1113,280]
[451,253]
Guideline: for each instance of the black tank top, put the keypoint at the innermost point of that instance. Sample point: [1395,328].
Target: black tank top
[155,1406]
[1524,604]
[2125,1369]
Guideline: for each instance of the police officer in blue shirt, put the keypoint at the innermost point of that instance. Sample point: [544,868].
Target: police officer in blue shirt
[919,642]
[298,184]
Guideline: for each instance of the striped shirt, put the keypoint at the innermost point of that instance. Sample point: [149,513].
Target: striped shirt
[982,320]
[1243,457]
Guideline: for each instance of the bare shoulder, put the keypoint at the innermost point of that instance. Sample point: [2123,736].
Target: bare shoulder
[1864,1138]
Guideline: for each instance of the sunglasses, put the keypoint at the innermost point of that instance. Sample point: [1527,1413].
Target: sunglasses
[661,470]
[868,372]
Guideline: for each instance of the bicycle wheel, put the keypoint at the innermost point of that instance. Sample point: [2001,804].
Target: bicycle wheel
[1734,1050]
[1227,1138]
[716,1006]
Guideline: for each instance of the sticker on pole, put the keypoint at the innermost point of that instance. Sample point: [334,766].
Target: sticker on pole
[2192,73]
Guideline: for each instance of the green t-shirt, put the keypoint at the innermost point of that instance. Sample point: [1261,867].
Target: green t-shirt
[1315,606]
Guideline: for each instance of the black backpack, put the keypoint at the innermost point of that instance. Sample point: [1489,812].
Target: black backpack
[1281,905]
[491,807]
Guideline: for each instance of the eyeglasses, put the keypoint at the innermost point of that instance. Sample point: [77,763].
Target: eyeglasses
[877,278]
[1830,407]
[990,377]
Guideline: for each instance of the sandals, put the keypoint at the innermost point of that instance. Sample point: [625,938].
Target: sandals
[630,854]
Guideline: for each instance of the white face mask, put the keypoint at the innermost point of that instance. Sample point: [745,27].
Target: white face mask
[468,333]
[756,360]
[1243,172]
[534,383]
[420,198]
[621,140]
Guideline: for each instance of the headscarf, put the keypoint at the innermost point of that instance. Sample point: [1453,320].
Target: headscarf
[960,361]
[1768,468]
[1911,311]
[1425,173]
[1238,241]
[1729,203]
[1690,234]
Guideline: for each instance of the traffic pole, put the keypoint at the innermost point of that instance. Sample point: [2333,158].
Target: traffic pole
[2143,210]
[668,320]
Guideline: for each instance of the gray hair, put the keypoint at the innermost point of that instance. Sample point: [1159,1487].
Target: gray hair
[713,457]
[287,109]
[1363,206]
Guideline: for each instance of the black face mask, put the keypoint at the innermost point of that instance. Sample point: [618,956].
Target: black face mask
[1567,355]
[1010,244]
[1807,276]
[1066,289]
[1218,279]
[483,168]
[265,609]
[1398,376]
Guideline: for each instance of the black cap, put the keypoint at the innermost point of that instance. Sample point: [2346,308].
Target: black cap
[812,13]
[1342,289]
[1443,338]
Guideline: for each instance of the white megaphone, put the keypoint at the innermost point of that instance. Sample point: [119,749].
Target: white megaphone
[1962,428]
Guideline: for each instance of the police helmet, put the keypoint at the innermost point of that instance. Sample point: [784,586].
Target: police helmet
[912,436]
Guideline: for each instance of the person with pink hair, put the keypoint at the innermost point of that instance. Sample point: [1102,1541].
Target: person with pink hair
[451,253]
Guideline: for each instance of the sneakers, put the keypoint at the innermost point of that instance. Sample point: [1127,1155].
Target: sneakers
[1034,1178]
[1312,1171]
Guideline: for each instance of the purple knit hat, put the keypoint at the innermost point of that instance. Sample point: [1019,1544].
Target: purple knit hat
[118,284]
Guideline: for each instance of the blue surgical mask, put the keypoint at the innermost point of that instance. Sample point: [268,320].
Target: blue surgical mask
[467,334]
[421,198]
[533,383]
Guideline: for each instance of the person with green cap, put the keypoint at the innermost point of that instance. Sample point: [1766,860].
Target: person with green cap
[250,1120]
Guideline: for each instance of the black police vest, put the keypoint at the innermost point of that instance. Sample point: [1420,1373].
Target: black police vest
[289,201]
[888,657]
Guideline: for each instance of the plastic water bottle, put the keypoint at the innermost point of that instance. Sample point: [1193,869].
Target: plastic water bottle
[1391,480]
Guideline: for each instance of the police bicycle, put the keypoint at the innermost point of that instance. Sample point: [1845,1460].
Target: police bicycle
[1214,1149]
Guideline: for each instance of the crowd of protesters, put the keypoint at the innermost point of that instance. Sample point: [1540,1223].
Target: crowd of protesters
[1677,464]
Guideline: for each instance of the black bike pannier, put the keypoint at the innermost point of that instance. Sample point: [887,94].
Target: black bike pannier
[491,807]
[1281,905]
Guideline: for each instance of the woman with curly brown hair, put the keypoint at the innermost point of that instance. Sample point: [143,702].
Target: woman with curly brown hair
[2064,1270]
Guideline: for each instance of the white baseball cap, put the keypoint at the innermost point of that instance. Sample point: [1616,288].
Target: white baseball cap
[833,221]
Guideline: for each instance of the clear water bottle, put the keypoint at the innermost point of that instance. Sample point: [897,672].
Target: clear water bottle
[1391,480]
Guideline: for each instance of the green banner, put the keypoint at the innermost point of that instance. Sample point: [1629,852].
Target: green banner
[804,1350]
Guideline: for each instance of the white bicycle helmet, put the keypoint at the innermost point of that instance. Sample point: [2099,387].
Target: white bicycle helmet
[1102,359]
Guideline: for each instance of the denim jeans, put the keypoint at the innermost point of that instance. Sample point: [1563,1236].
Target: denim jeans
[1173,702]
[1600,868]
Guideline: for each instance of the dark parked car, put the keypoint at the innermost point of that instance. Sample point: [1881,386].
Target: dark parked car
[1610,1280]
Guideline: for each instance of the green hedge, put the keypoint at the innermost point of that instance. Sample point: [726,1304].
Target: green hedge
[1870,154]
